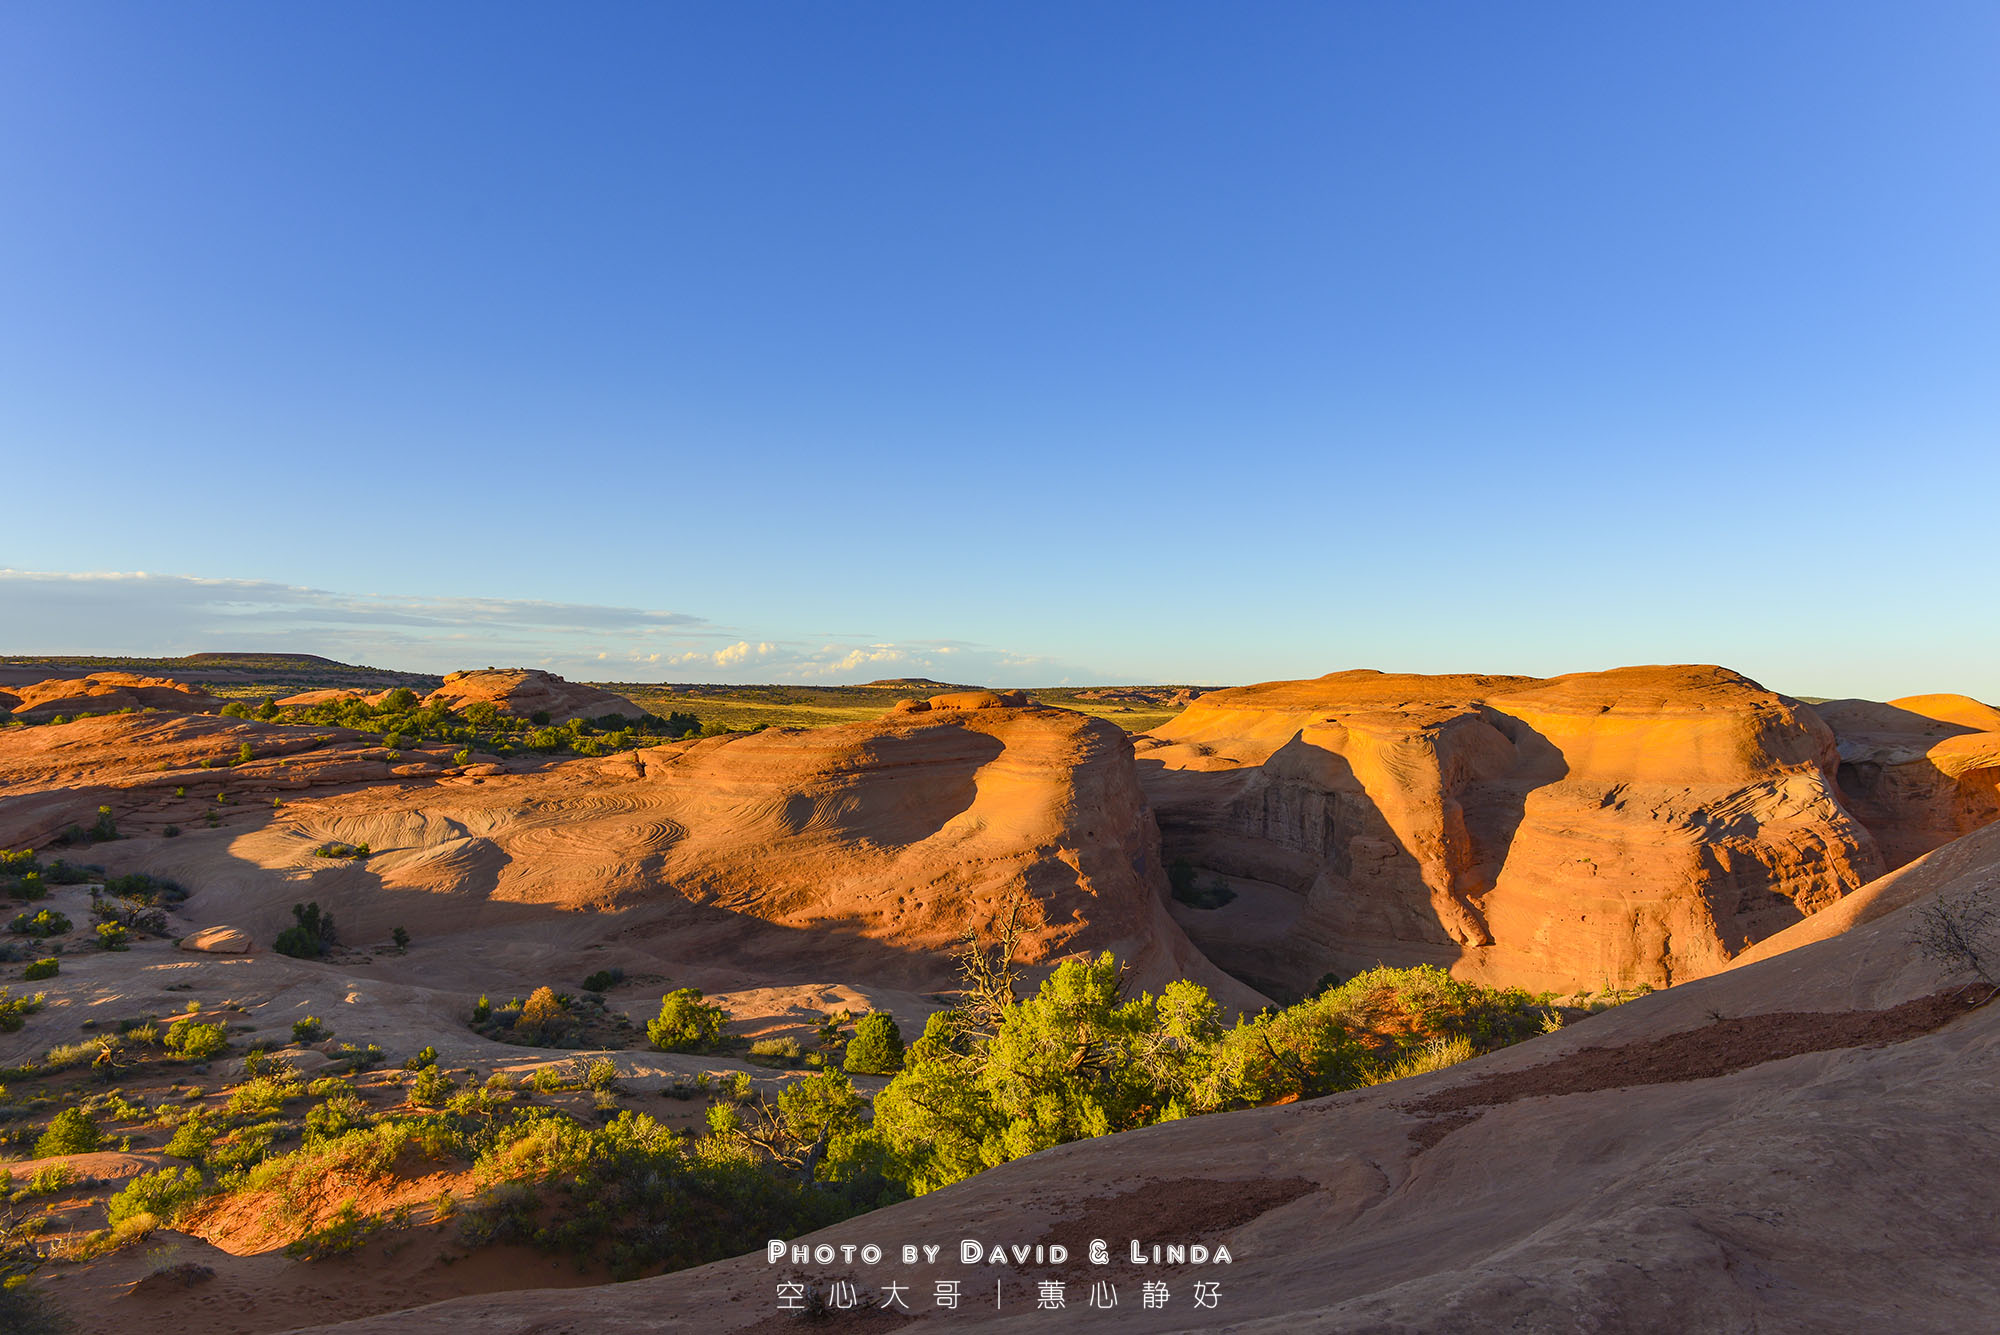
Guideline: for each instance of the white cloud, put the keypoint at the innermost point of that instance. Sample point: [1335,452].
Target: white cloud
[143,614]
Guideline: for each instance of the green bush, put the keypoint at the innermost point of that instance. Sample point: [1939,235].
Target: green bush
[431,1088]
[604,980]
[163,1194]
[685,1023]
[14,1011]
[193,1041]
[343,1111]
[310,1030]
[194,1138]
[309,935]
[72,1132]
[40,969]
[45,923]
[877,1046]
[113,936]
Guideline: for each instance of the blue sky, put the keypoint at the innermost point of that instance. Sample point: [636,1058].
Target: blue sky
[1013,343]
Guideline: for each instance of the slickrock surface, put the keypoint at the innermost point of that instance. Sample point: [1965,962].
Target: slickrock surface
[530,691]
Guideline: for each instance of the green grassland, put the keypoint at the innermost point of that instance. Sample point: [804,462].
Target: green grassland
[741,708]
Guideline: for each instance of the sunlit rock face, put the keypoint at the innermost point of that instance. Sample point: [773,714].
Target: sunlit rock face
[1635,826]
[1919,771]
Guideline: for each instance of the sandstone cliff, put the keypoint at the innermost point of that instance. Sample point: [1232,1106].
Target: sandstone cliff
[864,851]
[1635,826]
[103,693]
[1919,771]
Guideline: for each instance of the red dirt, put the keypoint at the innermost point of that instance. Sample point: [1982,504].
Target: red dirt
[1695,1054]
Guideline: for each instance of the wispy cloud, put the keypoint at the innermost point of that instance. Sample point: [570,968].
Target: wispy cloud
[150,614]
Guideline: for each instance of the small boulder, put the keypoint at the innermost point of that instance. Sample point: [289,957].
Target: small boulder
[219,941]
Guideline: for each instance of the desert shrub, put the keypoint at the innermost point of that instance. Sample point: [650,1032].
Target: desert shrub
[346,1231]
[262,1096]
[63,1056]
[877,1045]
[44,923]
[359,1058]
[193,1041]
[163,1195]
[783,1051]
[401,938]
[309,935]
[604,980]
[113,936]
[42,968]
[352,852]
[27,1311]
[686,1023]
[431,1088]
[194,1138]
[236,709]
[46,1181]
[14,1011]
[544,1017]
[482,1010]
[1433,1054]
[342,1111]
[72,1132]
[310,1030]
[246,1146]
[143,888]
[244,755]
[426,1056]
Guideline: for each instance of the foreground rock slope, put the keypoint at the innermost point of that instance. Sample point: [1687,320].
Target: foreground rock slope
[1803,1143]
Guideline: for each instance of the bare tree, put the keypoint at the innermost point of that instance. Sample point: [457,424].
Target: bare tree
[1958,934]
[988,969]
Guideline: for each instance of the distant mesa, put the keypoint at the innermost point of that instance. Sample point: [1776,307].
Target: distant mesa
[1918,771]
[527,692]
[263,660]
[909,684]
[1641,825]
[104,693]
